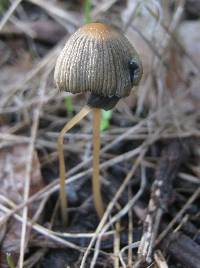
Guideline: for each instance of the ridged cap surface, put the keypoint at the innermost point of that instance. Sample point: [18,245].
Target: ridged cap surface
[96,59]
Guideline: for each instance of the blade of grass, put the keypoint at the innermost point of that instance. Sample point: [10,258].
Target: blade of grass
[10,260]
[105,120]
[87,11]
[69,105]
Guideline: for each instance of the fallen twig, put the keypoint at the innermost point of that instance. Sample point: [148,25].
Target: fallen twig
[172,158]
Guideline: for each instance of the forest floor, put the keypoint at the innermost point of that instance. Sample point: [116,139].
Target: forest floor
[150,142]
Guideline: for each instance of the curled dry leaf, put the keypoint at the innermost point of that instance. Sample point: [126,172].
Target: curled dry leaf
[13,161]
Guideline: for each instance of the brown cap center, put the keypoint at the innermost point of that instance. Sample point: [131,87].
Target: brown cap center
[97,30]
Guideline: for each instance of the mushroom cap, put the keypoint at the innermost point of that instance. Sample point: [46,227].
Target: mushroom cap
[96,59]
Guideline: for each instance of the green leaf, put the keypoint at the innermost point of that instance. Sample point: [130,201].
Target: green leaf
[87,11]
[69,105]
[105,119]
[10,260]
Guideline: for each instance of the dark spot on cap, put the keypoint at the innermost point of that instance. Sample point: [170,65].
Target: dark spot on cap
[134,69]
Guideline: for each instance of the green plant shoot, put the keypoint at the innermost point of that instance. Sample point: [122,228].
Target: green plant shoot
[105,120]
[10,260]
[69,105]
[87,11]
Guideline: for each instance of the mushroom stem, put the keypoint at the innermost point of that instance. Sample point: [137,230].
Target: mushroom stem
[63,195]
[96,185]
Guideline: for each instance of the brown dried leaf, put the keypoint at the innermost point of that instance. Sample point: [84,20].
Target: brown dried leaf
[13,161]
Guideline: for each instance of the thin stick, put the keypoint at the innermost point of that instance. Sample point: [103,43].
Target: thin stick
[29,166]
[117,244]
[160,259]
[96,150]
[63,195]
[130,231]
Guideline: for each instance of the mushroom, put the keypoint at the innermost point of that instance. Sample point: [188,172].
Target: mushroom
[98,59]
